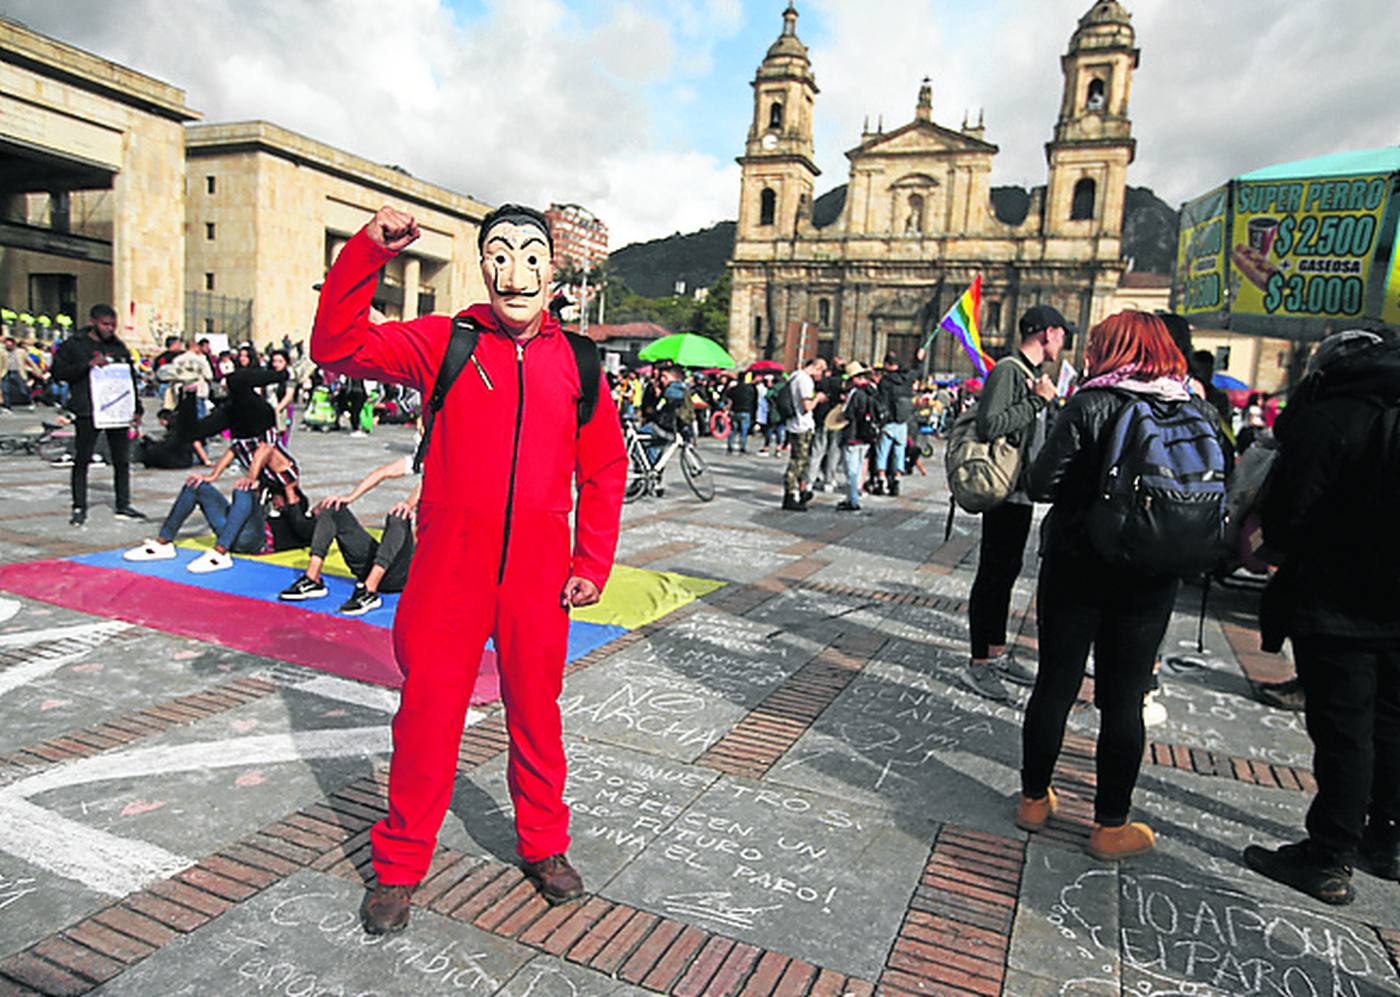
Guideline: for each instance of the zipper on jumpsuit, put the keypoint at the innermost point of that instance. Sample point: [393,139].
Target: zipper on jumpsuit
[514,456]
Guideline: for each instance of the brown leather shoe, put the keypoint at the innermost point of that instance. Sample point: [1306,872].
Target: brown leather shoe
[385,909]
[559,881]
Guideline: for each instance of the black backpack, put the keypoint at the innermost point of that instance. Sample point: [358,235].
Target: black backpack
[860,410]
[781,400]
[460,347]
[1161,503]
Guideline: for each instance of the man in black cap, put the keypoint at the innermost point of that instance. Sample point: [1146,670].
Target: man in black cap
[896,394]
[1013,404]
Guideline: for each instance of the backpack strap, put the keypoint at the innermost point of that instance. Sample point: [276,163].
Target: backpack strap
[460,347]
[590,372]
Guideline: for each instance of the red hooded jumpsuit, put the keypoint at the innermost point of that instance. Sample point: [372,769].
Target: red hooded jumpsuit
[493,551]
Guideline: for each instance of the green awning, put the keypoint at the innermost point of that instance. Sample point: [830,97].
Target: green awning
[1338,164]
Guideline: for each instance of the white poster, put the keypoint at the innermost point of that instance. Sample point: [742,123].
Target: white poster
[113,396]
[1068,375]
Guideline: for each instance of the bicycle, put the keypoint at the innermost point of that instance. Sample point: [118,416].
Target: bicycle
[645,477]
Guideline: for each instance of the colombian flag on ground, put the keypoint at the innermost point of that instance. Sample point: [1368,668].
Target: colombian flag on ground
[961,321]
[239,608]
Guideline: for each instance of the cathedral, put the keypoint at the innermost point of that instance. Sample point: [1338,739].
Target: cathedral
[918,224]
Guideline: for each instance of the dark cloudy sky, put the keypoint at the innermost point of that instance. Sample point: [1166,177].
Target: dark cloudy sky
[637,109]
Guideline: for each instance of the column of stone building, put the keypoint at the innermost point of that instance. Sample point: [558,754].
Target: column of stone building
[411,270]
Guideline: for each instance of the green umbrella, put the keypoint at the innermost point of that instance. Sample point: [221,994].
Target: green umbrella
[688,350]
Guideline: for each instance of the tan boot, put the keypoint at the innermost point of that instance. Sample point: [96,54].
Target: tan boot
[1031,815]
[1112,843]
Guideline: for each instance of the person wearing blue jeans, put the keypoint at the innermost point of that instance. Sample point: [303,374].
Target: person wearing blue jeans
[238,524]
[858,428]
[896,392]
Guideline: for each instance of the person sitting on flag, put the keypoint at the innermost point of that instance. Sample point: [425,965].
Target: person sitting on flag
[378,565]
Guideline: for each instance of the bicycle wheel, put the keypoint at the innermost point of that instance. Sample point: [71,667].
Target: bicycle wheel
[697,473]
[638,473]
[51,448]
[926,448]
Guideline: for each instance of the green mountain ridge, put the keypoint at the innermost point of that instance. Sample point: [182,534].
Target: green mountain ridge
[653,269]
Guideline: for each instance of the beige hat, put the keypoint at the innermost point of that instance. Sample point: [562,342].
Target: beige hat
[836,419]
[855,369]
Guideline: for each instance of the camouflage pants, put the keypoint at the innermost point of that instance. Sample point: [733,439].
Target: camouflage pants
[799,458]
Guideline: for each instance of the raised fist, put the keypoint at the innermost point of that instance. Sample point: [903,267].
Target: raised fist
[393,229]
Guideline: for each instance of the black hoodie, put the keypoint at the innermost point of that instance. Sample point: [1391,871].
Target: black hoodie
[1330,505]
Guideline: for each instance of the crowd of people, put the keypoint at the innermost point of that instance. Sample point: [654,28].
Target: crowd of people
[1334,452]
[1137,466]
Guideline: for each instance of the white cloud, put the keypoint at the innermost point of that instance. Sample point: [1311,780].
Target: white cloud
[534,101]
[527,103]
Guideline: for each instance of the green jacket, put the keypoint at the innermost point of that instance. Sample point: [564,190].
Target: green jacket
[1009,408]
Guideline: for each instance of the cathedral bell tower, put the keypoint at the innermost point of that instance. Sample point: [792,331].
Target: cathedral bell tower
[1093,142]
[778,175]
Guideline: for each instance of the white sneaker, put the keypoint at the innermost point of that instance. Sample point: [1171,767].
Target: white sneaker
[1154,713]
[210,560]
[151,550]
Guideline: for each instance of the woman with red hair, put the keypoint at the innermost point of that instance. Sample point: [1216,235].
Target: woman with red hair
[1084,601]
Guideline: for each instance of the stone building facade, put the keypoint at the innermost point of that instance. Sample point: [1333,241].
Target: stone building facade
[91,186]
[268,209]
[918,224]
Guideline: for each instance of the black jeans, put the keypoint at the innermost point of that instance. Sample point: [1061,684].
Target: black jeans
[1004,532]
[1353,715]
[1124,619]
[393,551]
[85,443]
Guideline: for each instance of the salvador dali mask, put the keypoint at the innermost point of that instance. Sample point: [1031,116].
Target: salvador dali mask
[516,264]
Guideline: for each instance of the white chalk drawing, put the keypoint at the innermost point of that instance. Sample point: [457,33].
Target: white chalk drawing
[1184,938]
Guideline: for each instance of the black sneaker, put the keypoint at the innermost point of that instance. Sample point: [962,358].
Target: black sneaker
[127,512]
[361,601]
[1298,866]
[792,504]
[303,588]
[79,518]
[1380,850]
[845,506]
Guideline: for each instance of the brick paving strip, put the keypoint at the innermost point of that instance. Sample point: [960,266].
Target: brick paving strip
[956,934]
[768,731]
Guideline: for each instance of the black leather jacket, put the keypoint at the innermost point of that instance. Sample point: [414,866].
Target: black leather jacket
[1067,470]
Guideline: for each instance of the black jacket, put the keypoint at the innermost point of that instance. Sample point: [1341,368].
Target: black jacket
[860,402]
[743,396]
[72,361]
[1068,468]
[1330,502]
[897,394]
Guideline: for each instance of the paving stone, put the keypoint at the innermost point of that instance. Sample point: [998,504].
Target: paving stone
[621,800]
[783,869]
[304,935]
[546,977]
[35,902]
[1067,919]
[678,694]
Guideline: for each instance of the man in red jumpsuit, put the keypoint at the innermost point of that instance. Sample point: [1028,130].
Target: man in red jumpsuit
[494,556]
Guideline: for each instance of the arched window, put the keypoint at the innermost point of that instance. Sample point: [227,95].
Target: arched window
[1082,207]
[915,222]
[775,115]
[1095,101]
[767,206]
[823,312]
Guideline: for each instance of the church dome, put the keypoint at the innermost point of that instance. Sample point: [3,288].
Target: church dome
[788,44]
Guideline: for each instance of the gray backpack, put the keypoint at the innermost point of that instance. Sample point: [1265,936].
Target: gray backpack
[982,474]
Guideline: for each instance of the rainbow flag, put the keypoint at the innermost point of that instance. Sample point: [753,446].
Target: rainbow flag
[961,320]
